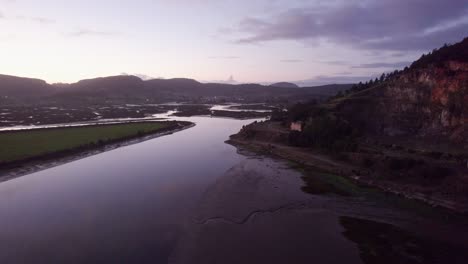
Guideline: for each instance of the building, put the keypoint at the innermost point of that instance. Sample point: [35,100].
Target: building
[296,126]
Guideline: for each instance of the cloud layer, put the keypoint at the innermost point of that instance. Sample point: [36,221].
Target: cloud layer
[374,24]
[40,20]
[395,65]
[333,79]
[91,32]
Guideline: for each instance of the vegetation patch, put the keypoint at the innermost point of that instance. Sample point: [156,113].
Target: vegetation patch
[385,243]
[325,132]
[26,145]
[320,182]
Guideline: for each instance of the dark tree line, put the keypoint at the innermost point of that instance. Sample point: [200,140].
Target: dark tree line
[385,77]
[448,52]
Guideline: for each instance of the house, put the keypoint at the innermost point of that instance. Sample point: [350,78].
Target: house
[296,126]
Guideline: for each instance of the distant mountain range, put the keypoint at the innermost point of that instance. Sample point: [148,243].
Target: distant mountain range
[126,87]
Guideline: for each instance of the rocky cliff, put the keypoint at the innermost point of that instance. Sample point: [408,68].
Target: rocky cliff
[429,101]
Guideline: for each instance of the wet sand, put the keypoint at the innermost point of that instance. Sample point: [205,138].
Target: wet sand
[257,213]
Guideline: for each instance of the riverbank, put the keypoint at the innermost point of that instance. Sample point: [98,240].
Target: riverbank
[268,202]
[66,144]
[364,168]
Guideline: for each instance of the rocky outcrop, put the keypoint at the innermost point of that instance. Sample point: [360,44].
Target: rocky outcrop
[424,102]
[429,100]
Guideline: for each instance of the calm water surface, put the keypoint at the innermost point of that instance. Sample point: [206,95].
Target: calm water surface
[127,203]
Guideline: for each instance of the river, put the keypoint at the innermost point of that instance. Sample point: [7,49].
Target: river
[191,198]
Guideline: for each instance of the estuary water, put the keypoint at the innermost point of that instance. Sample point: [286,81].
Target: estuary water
[191,198]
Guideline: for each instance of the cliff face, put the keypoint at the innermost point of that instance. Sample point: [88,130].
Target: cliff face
[423,102]
[449,100]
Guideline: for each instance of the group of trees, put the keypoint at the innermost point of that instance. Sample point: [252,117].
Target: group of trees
[321,129]
[325,132]
[385,77]
[448,52]
[303,111]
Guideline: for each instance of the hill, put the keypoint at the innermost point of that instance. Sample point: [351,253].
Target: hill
[457,52]
[132,89]
[427,100]
[284,85]
[12,86]
[106,86]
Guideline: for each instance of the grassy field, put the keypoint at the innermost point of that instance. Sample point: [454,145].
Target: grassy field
[22,145]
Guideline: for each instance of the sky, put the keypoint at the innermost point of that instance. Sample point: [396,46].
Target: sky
[308,42]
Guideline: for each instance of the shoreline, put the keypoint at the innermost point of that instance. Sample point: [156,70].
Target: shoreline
[40,163]
[341,169]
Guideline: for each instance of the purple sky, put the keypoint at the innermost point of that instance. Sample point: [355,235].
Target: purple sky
[303,41]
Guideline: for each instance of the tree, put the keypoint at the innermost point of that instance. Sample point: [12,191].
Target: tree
[382,77]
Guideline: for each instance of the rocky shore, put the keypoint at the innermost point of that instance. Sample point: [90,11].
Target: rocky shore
[420,177]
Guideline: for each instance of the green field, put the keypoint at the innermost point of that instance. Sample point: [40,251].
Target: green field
[21,145]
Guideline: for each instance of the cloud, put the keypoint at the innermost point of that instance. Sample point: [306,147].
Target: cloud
[394,65]
[40,20]
[90,32]
[144,77]
[224,57]
[291,60]
[345,73]
[374,24]
[229,80]
[225,31]
[336,62]
[334,79]
[398,54]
